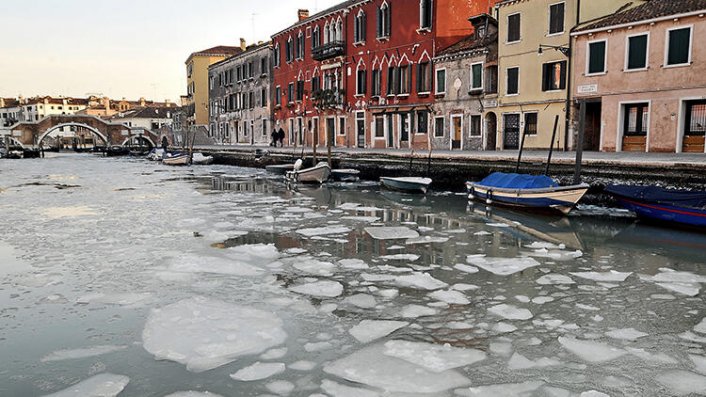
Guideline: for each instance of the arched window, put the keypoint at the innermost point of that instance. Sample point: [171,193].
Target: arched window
[425,14]
[290,49]
[383,21]
[361,79]
[315,37]
[339,30]
[359,27]
[327,33]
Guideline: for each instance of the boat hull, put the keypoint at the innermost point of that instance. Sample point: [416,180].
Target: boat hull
[182,159]
[316,174]
[279,169]
[409,185]
[345,175]
[561,198]
[665,213]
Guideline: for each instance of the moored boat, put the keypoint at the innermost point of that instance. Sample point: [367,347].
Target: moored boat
[674,206]
[176,159]
[345,175]
[526,191]
[316,174]
[410,184]
[199,159]
[279,169]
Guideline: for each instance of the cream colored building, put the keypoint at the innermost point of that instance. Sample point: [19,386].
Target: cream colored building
[534,68]
[197,81]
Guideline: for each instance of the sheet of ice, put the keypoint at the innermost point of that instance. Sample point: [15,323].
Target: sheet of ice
[426,240]
[558,255]
[258,371]
[116,298]
[464,287]
[699,363]
[591,351]
[274,354]
[593,393]
[611,276]
[338,390]
[302,365]
[353,264]
[369,330]
[349,206]
[501,390]
[451,297]
[322,288]
[502,266]
[323,231]
[433,357]
[482,233]
[667,275]
[688,289]
[365,219]
[391,232]
[414,311]
[193,263]
[400,257]
[503,328]
[554,279]
[518,361]
[683,382]
[658,357]
[370,366]
[510,312]
[81,353]
[101,385]
[701,327]
[313,266]
[540,300]
[626,334]
[281,387]
[202,333]
[466,268]
[193,394]
[419,280]
[363,301]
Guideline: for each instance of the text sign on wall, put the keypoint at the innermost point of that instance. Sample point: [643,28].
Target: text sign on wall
[587,89]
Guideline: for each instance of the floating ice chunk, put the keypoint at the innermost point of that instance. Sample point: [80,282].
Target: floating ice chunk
[701,327]
[522,298]
[690,336]
[593,393]
[503,328]
[450,297]
[558,255]
[626,334]
[647,356]
[545,245]
[116,298]
[193,394]
[192,263]
[500,348]
[518,361]
[611,276]
[295,251]
[687,289]
[502,266]
[365,219]
[353,264]
[400,257]
[362,301]
[458,325]
[274,354]
[466,268]
[281,387]
[501,390]
[258,371]
[204,334]
[369,330]
[323,288]
[315,267]
[699,363]
[81,353]
[667,275]
[587,307]
[349,206]
[317,346]
[322,231]
[426,240]
[683,382]
[555,279]
[370,366]
[420,281]
[497,224]
[339,390]
[377,277]
[482,233]
[464,287]
[102,385]
[591,351]
[510,312]
[414,311]
[302,365]
[391,232]
[435,358]
[540,300]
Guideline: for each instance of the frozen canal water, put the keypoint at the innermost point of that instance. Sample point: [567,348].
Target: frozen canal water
[123,277]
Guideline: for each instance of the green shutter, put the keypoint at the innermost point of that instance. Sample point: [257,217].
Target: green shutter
[637,52]
[596,57]
[679,44]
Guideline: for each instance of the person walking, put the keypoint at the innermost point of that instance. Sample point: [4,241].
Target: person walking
[275,136]
[281,137]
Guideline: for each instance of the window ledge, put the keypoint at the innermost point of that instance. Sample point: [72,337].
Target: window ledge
[424,30]
[383,38]
[359,43]
[424,94]
[636,70]
[403,96]
[439,94]
[679,65]
[359,96]
[554,34]
[512,94]
[513,42]
[476,91]
[596,74]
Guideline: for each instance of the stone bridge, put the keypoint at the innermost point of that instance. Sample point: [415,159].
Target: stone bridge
[31,134]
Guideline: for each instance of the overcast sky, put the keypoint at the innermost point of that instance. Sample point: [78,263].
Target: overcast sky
[126,48]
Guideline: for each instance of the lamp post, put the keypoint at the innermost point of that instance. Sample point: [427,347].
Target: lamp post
[564,50]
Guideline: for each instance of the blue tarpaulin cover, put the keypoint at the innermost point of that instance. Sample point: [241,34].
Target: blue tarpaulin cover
[658,195]
[517,181]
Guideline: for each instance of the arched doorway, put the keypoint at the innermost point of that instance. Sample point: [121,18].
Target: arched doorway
[491,131]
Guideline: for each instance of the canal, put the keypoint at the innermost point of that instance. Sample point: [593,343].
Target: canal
[124,277]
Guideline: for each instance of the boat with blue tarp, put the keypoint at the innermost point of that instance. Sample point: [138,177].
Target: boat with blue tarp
[675,206]
[526,191]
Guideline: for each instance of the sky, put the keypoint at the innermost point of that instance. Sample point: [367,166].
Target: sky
[125,48]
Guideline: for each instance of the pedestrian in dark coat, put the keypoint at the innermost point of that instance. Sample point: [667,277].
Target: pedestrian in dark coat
[281,137]
[275,136]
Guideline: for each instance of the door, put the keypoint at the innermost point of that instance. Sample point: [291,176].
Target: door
[404,128]
[300,131]
[694,127]
[511,131]
[592,133]
[330,131]
[456,131]
[491,130]
[360,128]
[390,138]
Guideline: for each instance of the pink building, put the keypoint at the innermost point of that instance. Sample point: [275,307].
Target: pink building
[642,75]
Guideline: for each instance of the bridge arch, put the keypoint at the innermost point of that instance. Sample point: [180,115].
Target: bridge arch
[93,130]
[136,138]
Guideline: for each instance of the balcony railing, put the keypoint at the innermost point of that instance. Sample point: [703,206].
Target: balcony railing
[329,50]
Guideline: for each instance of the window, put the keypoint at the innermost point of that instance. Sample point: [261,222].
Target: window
[315,84]
[636,119]
[342,126]
[596,57]
[679,46]
[276,56]
[290,50]
[383,21]
[556,18]
[513,81]
[379,127]
[513,28]
[264,127]
[637,52]
[392,80]
[404,80]
[425,10]
[300,46]
[376,83]
[300,90]
[554,76]
[290,93]
[476,77]
[438,127]
[695,118]
[359,27]
[263,97]
[530,124]
[361,82]
[251,69]
[423,77]
[440,81]
[491,79]
[475,126]
[422,122]
[263,66]
[316,38]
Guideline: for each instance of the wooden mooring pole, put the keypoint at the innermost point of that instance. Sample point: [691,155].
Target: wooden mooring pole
[579,142]
[551,146]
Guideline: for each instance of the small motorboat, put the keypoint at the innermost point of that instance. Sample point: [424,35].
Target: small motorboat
[409,184]
[176,159]
[199,159]
[526,191]
[674,206]
[345,175]
[117,150]
[279,169]
[156,154]
[316,174]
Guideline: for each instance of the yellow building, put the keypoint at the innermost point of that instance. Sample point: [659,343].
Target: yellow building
[534,67]
[197,81]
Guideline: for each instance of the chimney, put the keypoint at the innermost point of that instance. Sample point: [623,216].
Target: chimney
[303,14]
[243,44]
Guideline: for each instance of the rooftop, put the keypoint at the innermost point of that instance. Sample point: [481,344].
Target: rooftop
[652,9]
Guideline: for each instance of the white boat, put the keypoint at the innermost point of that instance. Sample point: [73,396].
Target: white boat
[199,159]
[345,175]
[279,169]
[156,154]
[316,174]
[177,159]
[410,184]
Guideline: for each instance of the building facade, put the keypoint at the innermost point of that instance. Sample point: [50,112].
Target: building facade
[466,86]
[640,75]
[239,97]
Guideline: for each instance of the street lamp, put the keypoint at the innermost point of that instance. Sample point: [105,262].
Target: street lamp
[562,49]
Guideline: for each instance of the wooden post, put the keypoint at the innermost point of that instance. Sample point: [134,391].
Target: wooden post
[579,141]
[315,137]
[519,155]
[551,145]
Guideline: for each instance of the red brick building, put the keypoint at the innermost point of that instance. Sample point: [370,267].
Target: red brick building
[361,72]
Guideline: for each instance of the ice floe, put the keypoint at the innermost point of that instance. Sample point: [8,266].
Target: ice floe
[510,312]
[338,390]
[701,327]
[450,297]
[626,334]
[322,288]
[92,351]
[466,268]
[426,240]
[202,333]
[555,279]
[419,281]
[258,371]
[281,387]
[369,330]
[192,263]
[313,266]
[400,257]
[435,358]
[391,232]
[101,385]
[414,311]
[611,276]
[518,361]
[591,351]
[501,390]
[683,382]
[353,264]
[502,266]
[302,365]
[363,301]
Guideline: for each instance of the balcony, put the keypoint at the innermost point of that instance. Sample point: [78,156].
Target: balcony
[329,50]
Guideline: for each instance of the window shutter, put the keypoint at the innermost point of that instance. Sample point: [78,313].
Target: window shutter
[364,82]
[562,78]
[379,23]
[388,28]
[356,34]
[596,60]
[419,77]
[637,52]
[363,27]
[679,44]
